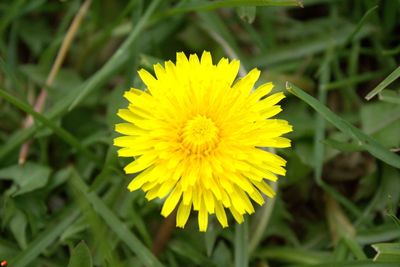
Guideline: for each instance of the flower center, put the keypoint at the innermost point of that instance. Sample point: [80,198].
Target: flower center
[200,134]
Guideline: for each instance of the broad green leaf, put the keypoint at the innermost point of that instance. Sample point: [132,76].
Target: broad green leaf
[378,115]
[382,121]
[222,256]
[18,226]
[64,81]
[7,249]
[80,256]
[390,96]
[28,177]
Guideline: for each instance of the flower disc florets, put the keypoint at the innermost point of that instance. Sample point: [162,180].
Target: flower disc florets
[197,138]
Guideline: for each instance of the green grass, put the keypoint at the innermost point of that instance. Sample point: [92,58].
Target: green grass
[337,62]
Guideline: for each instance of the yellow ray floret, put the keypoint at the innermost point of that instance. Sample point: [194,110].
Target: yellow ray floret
[198,138]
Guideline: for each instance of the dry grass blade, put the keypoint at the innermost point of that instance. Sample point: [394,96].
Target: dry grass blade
[41,100]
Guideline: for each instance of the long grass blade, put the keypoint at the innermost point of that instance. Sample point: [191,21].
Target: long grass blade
[388,80]
[115,224]
[365,141]
[46,238]
[211,5]
[62,133]
[119,58]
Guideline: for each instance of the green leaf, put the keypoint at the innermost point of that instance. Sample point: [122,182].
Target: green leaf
[210,237]
[64,81]
[247,13]
[8,249]
[18,226]
[366,141]
[222,255]
[28,177]
[80,256]
[390,96]
[378,115]
[387,252]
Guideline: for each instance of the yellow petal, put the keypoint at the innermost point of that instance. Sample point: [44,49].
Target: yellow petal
[265,188]
[147,78]
[261,91]
[183,214]
[141,163]
[221,215]
[238,217]
[171,201]
[209,201]
[203,217]
[245,85]
[128,129]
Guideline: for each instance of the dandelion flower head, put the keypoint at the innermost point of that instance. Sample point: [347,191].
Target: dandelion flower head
[197,137]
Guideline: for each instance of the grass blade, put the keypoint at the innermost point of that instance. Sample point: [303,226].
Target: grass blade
[63,134]
[208,5]
[360,24]
[293,255]
[261,222]
[365,263]
[308,48]
[365,141]
[119,58]
[115,224]
[387,252]
[46,238]
[388,80]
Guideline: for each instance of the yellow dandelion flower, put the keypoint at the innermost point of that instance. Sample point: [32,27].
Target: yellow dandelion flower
[198,137]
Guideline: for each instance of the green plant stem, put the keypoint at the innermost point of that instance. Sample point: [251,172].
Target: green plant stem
[262,221]
[241,245]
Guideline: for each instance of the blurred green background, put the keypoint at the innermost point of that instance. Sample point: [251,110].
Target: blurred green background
[67,204]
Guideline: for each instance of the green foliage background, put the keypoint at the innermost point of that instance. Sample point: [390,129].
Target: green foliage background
[68,204]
